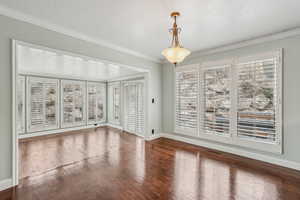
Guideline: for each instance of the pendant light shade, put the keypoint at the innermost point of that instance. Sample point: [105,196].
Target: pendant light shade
[176,53]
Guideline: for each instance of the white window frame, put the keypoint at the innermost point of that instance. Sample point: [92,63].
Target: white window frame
[233,139]
[189,132]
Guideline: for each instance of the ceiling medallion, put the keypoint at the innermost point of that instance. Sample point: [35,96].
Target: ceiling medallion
[176,53]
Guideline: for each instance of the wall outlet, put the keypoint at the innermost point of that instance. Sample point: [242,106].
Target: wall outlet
[152,100]
[152,131]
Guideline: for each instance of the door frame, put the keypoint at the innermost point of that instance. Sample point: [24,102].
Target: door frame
[15,139]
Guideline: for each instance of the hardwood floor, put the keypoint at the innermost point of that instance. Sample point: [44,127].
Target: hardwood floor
[108,164]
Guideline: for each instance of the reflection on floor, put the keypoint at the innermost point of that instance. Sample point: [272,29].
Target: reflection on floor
[109,164]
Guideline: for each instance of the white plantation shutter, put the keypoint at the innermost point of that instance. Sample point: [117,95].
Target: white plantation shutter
[257,104]
[238,98]
[73,95]
[42,104]
[114,103]
[140,108]
[96,102]
[215,85]
[92,104]
[134,107]
[186,100]
[101,102]
[131,108]
[20,97]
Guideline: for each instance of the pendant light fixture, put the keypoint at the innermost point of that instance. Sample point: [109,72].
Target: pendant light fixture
[176,53]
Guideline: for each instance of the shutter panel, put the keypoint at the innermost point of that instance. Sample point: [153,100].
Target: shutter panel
[216,101]
[134,107]
[140,108]
[42,104]
[73,103]
[114,104]
[131,108]
[20,104]
[101,102]
[92,97]
[257,99]
[96,102]
[186,101]
[51,104]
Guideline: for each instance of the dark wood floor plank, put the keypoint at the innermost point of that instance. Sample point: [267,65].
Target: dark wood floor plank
[106,163]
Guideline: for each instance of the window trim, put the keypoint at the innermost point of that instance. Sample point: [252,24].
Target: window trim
[233,138]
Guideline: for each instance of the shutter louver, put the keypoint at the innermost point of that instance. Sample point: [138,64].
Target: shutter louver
[257,100]
[215,84]
[186,100]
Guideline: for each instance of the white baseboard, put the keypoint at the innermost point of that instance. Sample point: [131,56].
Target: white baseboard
[153,137]
[5,184]
[233,150]
[58,131]
[114,126]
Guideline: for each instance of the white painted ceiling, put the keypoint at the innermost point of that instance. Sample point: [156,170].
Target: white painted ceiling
[142,25]
[39,61]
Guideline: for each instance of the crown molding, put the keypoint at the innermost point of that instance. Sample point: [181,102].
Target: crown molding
[8,12]
[253,41]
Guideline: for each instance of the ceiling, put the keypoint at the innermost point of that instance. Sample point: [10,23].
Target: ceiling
[142,25]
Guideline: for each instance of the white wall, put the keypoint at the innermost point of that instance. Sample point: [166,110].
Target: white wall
[14,29]
[291,93]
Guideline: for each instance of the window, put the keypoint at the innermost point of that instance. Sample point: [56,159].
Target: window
[257,102]
[216,100]
[96,102]
[20,104]
[140,108]
[42,104]
[186,100]
[114,103]
[73,103]
[239,101]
